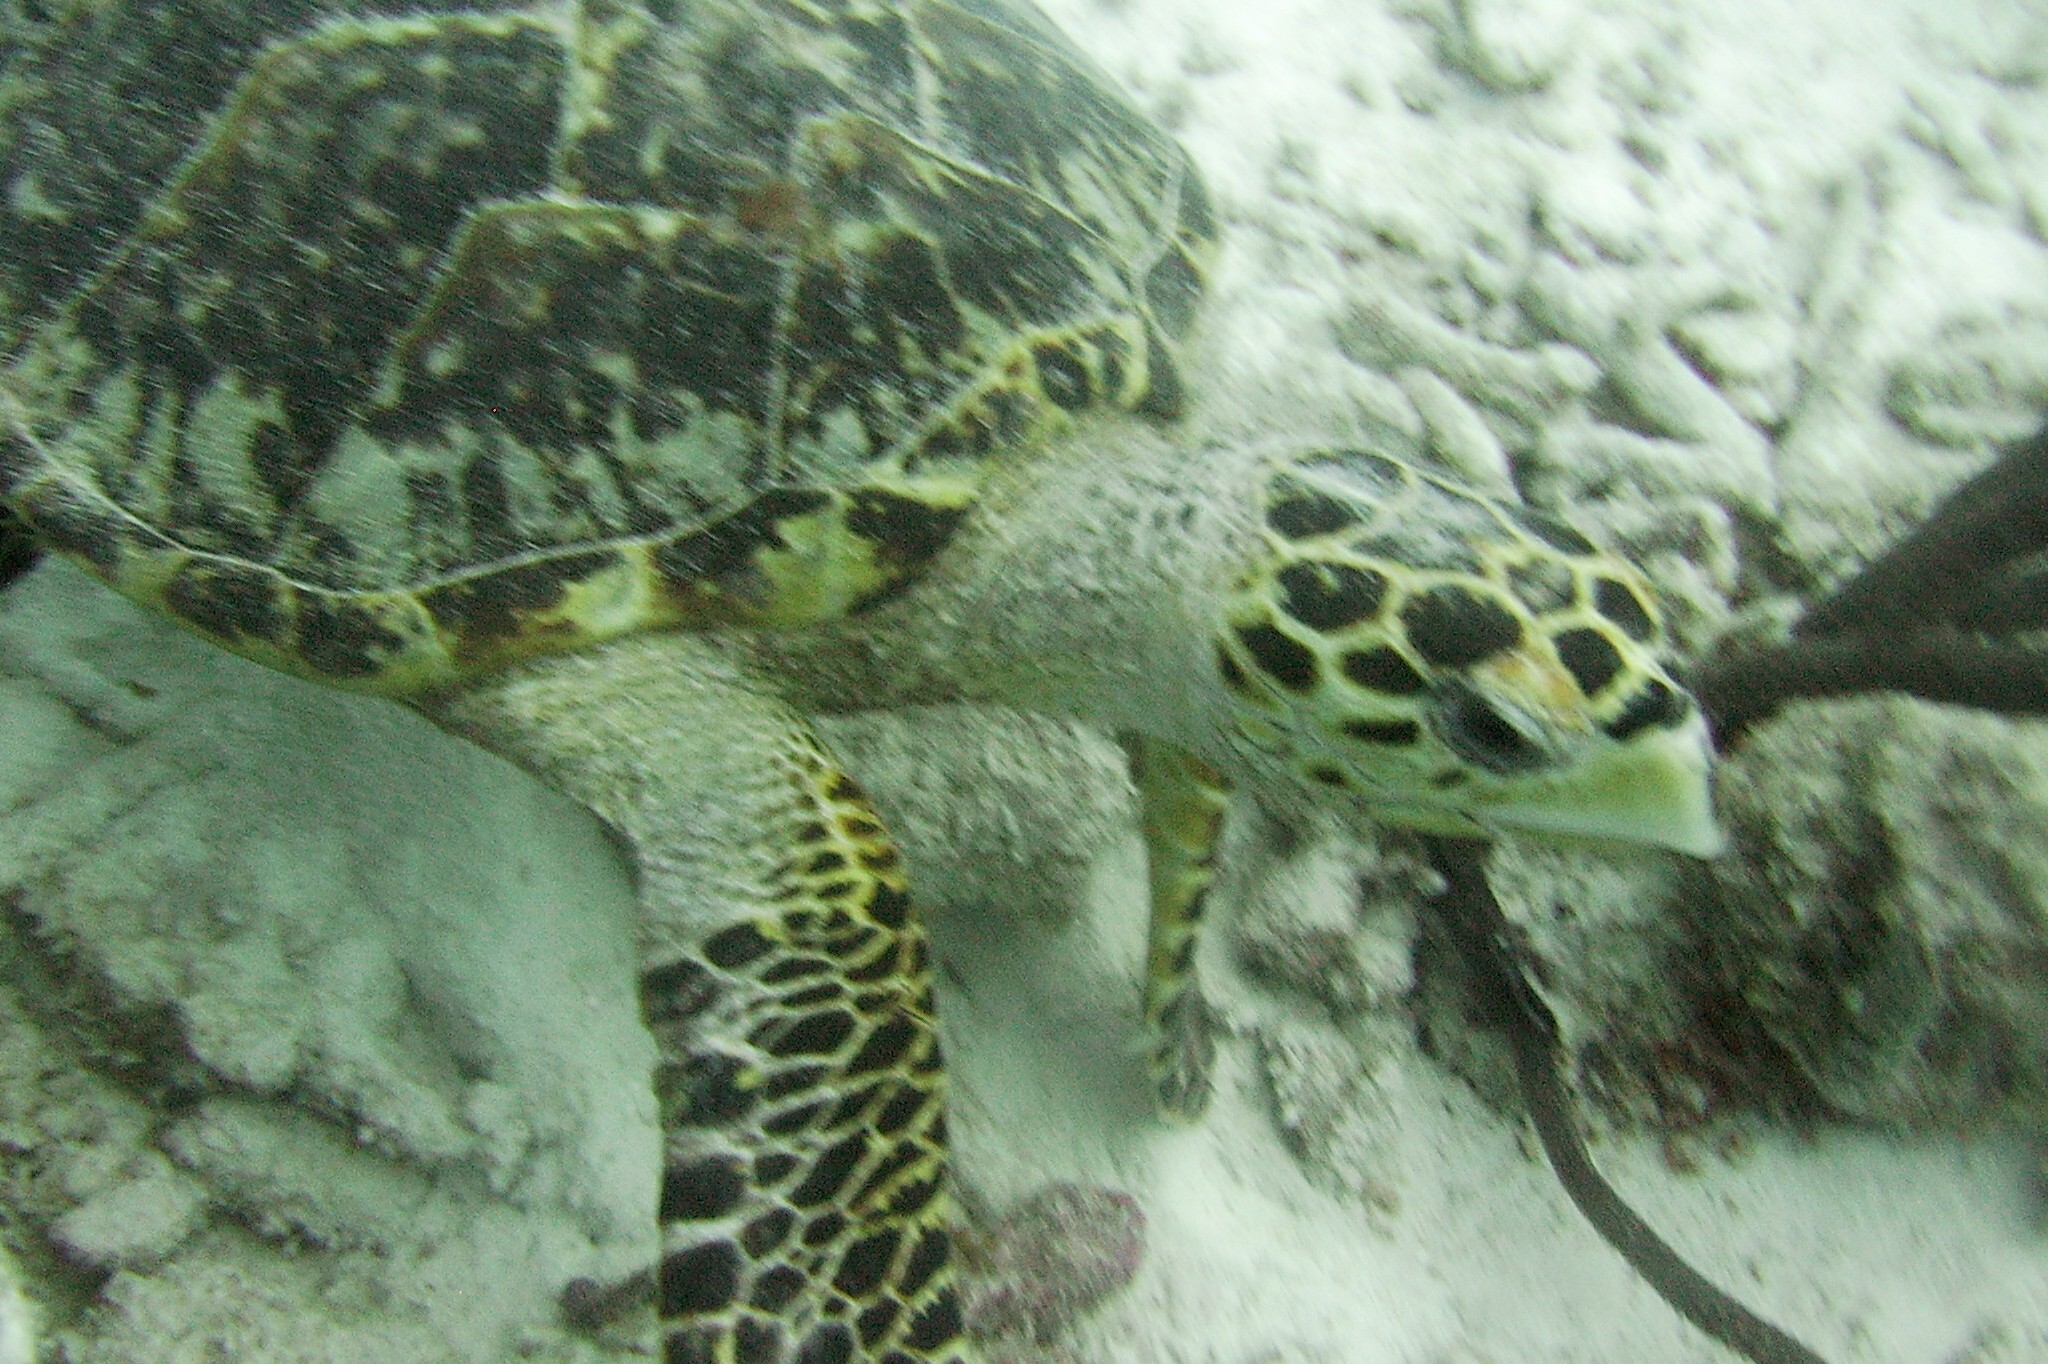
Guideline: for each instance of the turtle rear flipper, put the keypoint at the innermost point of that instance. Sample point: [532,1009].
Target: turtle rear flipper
[804,1207]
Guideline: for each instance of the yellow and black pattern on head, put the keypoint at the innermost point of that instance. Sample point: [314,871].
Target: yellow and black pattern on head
[805,1212]
[467,335]
[1437,655]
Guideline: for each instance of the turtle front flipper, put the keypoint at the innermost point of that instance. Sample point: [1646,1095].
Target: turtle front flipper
[1182,801]
[804,1208]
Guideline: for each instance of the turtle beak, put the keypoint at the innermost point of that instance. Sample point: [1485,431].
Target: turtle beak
[1655,789]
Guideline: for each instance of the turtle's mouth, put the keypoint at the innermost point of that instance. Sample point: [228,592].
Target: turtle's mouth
[1655,788]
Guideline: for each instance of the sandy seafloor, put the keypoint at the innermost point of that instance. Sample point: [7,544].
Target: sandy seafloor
[1748,283]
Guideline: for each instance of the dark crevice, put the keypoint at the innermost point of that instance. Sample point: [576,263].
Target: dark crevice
[62,991]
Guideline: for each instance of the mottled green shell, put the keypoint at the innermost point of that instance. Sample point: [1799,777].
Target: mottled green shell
[387,349]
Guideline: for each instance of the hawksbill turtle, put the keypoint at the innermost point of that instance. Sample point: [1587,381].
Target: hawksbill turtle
[492,357]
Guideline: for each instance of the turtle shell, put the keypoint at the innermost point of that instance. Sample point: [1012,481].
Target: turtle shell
[389,348]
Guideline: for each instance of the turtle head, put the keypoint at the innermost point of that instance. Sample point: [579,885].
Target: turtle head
[1454,663]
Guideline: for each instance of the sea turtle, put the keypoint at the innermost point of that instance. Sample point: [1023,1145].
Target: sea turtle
[475,355]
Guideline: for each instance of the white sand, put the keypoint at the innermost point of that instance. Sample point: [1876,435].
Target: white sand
[1828,207]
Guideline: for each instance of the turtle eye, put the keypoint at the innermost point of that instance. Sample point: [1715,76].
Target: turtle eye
[1478,732]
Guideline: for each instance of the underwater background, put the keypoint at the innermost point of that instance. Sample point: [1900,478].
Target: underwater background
[318,1036]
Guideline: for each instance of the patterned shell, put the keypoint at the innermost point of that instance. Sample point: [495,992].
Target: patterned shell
[386,349]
